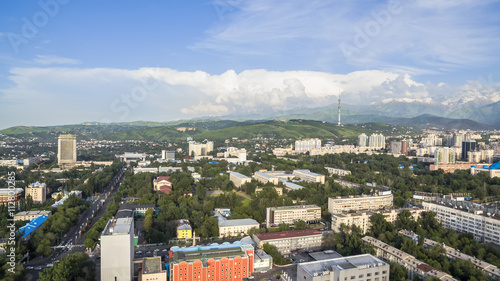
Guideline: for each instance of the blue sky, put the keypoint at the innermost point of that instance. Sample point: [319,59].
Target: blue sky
[115,61]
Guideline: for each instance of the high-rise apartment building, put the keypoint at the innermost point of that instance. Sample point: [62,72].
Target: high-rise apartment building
[362,140]
[66,150]
[37,191]
[199,149]
[306,145]
[444,155]
[376,141]
[167,155]
[117,249]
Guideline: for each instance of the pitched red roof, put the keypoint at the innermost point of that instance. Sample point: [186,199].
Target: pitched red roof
[162,178]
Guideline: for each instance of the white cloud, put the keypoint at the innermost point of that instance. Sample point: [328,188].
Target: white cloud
[42,96]
[427,36]
[48,60]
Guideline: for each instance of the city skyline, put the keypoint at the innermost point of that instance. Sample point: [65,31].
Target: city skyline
[110,62]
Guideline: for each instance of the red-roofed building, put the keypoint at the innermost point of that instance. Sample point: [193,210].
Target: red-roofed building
[162,184]
[289,241]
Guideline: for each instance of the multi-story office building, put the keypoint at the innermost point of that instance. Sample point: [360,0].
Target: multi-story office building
[306,145]
[339,172]
[363,140]
[66,150]
[376,141]
[291,214]
[30,215]
[358,203]
[238,179]
[230,262]
[167,155]
[414,266]
[309,176]
[9,195]
[289,241]
[444,155]
[362,219]
[467,145]
[360,267]
[37,191]
[199,149]
[117,249]
[478,220]
[236,227]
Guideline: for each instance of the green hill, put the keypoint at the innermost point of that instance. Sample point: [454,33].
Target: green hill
[205,129]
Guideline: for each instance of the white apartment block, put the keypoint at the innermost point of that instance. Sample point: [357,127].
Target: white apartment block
[291,214]
[338,149]
[117,249]
[306,145]
[413,265]
[361,267]
[198,149]
[484,227]
[376,141]
[362,219]
[289,241]
[309,176]
[339,204]
[37,191]
[339,172]
[363,140]
[238,179]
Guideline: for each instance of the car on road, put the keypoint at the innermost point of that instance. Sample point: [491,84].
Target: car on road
[29,267]
[251,277]
[138,252]
[50,265]
[164,250]
[38,268]
[148,252]
[156,250]
[263,271]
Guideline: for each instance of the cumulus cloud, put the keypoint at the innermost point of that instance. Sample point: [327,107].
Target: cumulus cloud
[73,95]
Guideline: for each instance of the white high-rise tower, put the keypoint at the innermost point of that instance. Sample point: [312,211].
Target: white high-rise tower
[339,110]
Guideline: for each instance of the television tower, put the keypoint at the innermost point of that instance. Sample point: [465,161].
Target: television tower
[339,110]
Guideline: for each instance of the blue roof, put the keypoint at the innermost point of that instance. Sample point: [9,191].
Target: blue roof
[495,166]
[32,225]
[213,162]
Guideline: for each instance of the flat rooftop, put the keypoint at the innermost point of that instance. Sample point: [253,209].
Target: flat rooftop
[287,234]
[325,255]
[211,252]
[118,226]
[238,175]
[340,264]
[294,207]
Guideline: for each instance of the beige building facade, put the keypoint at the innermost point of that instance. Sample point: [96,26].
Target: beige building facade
[291,214]
[37,191]
[339,204]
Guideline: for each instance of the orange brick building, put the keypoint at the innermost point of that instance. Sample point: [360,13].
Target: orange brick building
[231,262]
